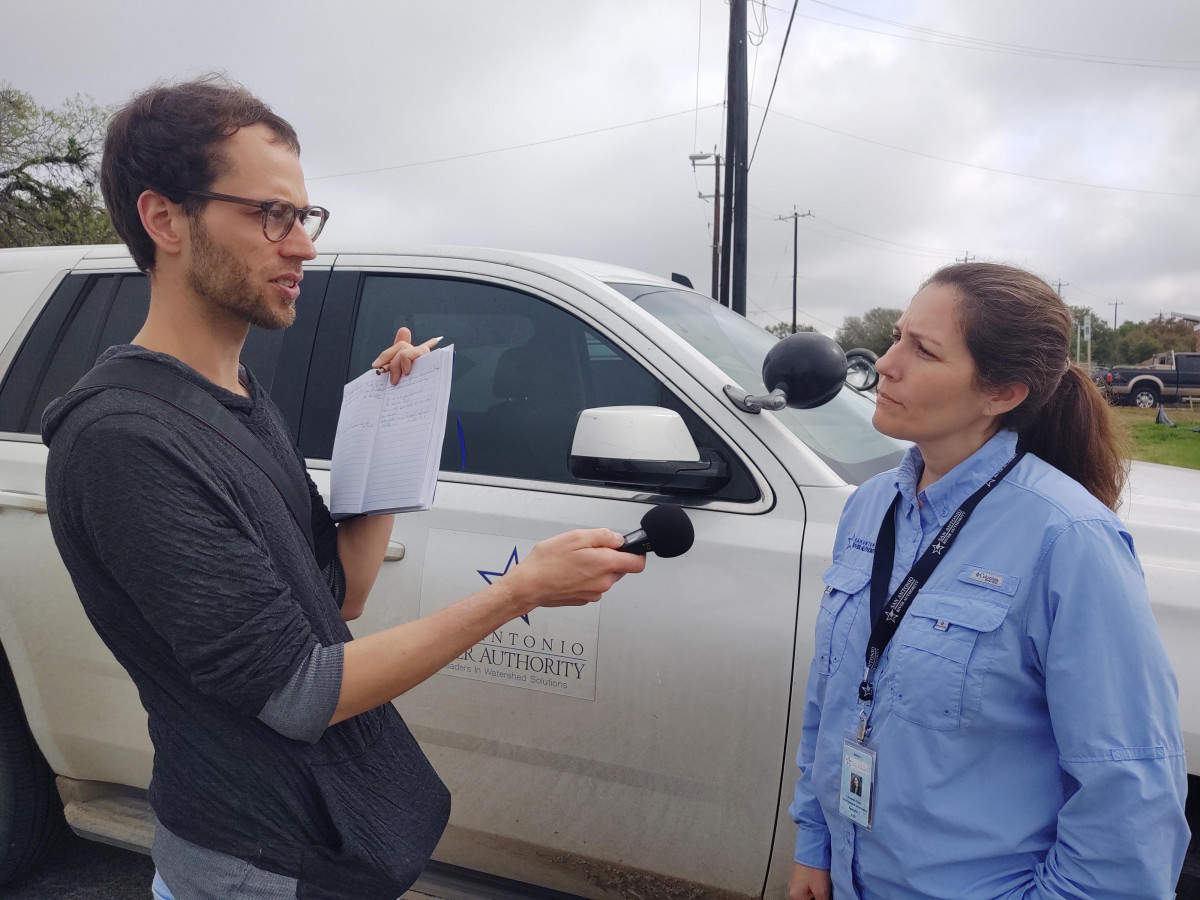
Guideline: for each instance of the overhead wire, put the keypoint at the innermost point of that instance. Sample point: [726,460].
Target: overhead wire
[760,23]
[995,169]
[913,249]
[699,48]
[964,42]
[757,46]
[775,81]
[553,140]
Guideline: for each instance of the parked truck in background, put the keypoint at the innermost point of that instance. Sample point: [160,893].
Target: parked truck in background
[1169,378]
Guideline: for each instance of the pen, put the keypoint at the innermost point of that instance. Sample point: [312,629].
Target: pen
[431,343]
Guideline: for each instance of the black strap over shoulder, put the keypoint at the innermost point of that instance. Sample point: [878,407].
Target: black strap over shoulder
[145,376]
[884,626]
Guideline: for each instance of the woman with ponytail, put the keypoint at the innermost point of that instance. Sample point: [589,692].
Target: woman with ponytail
[987,674]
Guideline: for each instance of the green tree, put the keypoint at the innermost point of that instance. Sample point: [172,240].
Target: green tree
[1167,334]
[1135,346]
[873,330]
[49,165]
[783,329]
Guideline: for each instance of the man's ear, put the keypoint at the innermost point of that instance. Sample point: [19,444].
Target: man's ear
[164,221]
[1007,398]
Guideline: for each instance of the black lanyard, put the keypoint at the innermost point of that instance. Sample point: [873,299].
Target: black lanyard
[885,617]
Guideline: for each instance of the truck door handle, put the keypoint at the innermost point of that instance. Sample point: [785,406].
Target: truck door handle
[36,503]
[394,551]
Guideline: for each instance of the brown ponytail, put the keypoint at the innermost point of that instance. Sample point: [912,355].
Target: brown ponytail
[1018,330]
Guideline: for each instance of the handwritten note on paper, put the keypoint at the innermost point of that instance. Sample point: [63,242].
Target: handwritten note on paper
[389,439]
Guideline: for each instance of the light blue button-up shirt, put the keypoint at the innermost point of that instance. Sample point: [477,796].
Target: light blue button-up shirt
[1025,714]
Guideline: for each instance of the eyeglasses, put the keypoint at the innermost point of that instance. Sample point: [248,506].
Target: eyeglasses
[278,216]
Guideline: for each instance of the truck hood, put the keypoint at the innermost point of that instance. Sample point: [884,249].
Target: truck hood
[1162,512]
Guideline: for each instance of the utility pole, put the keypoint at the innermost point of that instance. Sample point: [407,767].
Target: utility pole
[733,234]
[697,159]
[1116,303]
[795,217]
[1059,286]
[966,258]
[1087,336]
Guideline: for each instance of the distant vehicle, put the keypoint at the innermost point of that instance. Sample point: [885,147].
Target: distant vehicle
[1170,377]
[641,746]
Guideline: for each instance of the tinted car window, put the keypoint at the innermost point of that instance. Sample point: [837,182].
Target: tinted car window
[87,315]
[74,351]
[523,370]
[129,307]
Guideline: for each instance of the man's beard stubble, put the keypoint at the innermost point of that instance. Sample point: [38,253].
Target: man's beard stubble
[223,280]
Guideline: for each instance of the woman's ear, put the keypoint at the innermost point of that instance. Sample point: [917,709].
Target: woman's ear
[164,221]
[1007,398]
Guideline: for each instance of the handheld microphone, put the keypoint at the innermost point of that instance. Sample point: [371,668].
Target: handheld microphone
[666,531]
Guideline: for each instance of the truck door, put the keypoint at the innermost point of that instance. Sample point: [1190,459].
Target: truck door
[1187,368]
[582,745]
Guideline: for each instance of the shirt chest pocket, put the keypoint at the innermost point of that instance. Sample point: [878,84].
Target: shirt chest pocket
[945,648]
[838,609]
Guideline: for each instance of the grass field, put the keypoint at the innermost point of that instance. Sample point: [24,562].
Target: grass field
[1178,446]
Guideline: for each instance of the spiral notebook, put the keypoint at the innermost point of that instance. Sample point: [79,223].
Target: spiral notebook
[389,439]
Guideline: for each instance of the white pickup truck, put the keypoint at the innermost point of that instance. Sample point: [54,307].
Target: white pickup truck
[640,747]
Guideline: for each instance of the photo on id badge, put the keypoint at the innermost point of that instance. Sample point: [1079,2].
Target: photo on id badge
[858,782]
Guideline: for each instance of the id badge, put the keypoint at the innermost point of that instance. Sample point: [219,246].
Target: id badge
[856,800]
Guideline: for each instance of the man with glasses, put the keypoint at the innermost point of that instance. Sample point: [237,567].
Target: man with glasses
[281,768]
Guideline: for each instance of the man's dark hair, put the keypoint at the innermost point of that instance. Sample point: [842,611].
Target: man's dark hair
[168,139]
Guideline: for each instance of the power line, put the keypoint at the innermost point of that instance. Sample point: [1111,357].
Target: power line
[699,47]
[553,140]
[778,66]
[959,162]
[933,254]
[761,24]
[912,249]
[964,42]
[1021,49]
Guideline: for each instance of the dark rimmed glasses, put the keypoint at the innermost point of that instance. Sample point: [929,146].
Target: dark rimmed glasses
[278,216]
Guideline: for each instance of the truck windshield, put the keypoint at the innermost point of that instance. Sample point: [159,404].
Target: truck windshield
[840,432]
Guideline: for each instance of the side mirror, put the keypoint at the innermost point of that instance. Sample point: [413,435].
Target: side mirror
[860,369]
[803,370]
[644,447]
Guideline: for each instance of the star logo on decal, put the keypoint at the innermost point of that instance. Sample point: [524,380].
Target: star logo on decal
[938,548]
[490,576]
[891,616]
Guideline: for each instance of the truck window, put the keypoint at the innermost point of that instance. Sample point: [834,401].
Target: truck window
[87,315]
[839,432]
[523,370]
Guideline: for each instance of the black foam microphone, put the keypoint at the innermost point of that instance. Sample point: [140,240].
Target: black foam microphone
[666,531]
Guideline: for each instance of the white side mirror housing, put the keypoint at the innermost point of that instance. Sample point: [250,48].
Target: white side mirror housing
[633,432]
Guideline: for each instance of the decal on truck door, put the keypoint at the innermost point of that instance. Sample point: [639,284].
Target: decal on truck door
[552,650]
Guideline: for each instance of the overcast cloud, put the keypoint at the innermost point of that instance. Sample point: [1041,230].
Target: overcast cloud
[424,92]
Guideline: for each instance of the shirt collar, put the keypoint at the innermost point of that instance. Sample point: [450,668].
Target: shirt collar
[950,491]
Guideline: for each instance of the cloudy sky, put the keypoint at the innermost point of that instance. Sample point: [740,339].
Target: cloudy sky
[1060,135]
